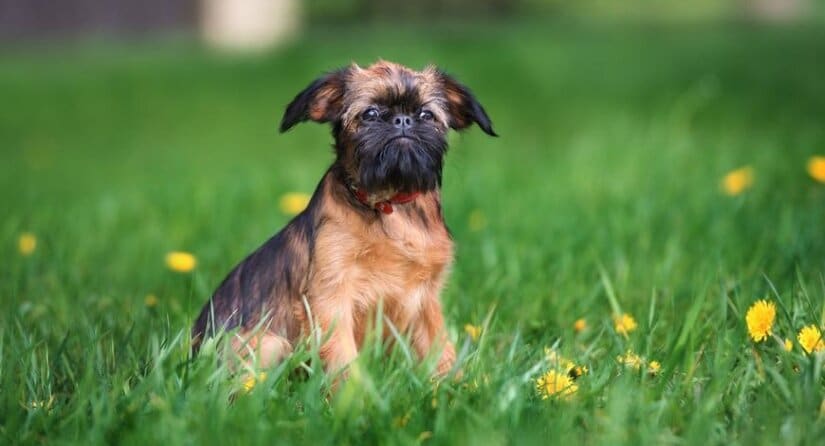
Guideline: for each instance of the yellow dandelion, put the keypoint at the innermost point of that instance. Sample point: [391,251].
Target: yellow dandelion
[580,325]
[27,243]
[624,324]
[816,168]
[476,221]
[810,339]
[737,181]
[630,359]
[294,202]
[150,301]
[760,317]
[555,384]
[179,261]
[474,331]
[788,345]
[653,367]
[251,381]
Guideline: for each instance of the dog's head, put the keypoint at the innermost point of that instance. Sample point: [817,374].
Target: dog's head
[389,122]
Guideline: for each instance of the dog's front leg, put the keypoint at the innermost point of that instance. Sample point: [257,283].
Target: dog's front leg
[335,321]
[430,336]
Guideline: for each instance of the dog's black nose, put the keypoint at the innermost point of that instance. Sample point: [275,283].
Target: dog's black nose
[402,122]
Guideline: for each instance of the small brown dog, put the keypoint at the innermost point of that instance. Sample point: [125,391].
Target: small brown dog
[373,231]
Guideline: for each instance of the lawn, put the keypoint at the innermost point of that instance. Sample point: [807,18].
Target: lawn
[601,197]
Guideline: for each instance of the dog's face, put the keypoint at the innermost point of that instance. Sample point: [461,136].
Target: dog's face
[389,122]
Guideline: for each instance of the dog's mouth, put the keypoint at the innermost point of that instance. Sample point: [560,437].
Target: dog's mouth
[400,138]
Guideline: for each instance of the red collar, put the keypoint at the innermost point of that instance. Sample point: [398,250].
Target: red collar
[386,205]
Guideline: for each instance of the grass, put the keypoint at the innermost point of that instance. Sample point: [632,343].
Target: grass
[602,191]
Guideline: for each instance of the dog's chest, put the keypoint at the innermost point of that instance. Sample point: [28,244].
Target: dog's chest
[414,249]
[394,259]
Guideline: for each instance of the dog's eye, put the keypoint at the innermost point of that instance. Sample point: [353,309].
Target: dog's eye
[371,114]
[425,115]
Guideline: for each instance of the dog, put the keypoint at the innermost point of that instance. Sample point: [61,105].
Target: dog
[373,234]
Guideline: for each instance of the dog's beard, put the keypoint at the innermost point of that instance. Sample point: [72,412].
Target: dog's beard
[401,164]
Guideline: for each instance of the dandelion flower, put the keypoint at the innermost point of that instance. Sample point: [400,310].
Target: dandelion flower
[653,367]
[810,339]
[760,317]
[816,168]
[27,243]
[476,221]
[555,384]
[180,261]
[788,345]
[250,382]
[737,181]
[150,301]
[624,323]
[580,325]
[474,331]
[630,359]
[294,202]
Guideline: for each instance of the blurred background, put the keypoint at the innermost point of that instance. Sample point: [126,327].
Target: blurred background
[267,23]
[245,24]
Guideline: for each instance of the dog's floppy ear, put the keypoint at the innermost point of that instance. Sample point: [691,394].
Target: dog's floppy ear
[321,101]
[463,108]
